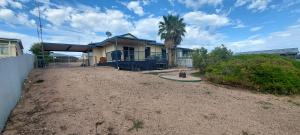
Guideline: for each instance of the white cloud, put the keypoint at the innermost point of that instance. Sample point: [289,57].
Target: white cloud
[195,36]
[196,4]
[254,5]
[239,24]
[146,28]
[240,2]
[286,4]
[259,5]
[147,2]
[172,2]
[56,16]
[282,39]
[136,7]
[12,3]
[256,28]
[90,19]
[202,19]
[3,3]
[67,35]
[96,20]
[9,17]
[6,14]
[109,20]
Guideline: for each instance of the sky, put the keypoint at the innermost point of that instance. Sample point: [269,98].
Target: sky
[241,25]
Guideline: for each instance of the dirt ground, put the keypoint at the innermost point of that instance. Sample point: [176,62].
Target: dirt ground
[110,102]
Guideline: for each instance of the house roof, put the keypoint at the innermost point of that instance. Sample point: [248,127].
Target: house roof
[13,39]
[274,51]
[127,36]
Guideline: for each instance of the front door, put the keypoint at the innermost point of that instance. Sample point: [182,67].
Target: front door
[128,53]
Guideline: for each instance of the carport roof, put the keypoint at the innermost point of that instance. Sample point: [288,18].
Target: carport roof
[66,47]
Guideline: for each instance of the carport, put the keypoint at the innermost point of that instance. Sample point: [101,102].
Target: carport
[64,59]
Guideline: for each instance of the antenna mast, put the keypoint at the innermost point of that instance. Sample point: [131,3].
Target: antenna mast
[40,30]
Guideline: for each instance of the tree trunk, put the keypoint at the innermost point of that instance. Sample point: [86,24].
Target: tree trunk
[171,53]
[170,57]
[173,57]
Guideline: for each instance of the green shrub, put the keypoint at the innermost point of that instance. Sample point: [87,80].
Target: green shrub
[201,58]
[220,53]
[265,73]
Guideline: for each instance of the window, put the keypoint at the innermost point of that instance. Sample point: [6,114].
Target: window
[184,53]
[3,50]
[163,53]
[147,52]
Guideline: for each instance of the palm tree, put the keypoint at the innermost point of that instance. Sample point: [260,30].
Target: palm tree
[171,30]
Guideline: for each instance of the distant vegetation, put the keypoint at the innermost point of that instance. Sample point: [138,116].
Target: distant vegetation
[201,57]
[264,73]
[36,49]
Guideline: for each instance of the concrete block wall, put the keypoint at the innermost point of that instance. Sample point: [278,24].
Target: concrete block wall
[13,71]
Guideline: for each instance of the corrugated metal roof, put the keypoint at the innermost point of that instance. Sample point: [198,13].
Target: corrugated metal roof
[274,51]
[127,36]
[66,47]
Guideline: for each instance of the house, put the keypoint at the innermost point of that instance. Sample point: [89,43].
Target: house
[10,47]
[129,52]
[288,52]
[123,51]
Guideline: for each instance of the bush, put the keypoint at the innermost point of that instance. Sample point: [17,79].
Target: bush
[265,73]
[36,49]
[220,53]
[201,58]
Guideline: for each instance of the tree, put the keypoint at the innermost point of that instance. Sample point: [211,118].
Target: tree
[171,30]
[108,34]
[36,49]
[219,53]
[200,59]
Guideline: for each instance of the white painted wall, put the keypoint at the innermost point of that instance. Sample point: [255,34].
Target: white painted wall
[184,62]
[13,71]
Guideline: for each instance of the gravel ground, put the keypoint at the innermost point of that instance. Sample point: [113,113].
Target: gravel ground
[106,101]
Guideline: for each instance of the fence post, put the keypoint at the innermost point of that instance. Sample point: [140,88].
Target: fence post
[53,61]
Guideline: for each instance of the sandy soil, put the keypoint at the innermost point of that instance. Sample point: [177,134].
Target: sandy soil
[77,100]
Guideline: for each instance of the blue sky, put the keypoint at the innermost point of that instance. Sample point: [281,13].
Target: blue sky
[241,25]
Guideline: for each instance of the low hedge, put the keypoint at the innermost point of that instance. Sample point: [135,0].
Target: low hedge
[265,73]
